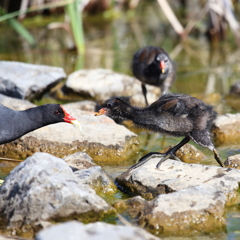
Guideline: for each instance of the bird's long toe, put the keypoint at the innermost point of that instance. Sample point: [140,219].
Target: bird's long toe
[165,157]
[146,158]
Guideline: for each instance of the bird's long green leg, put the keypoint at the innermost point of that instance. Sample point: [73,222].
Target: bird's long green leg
[144,91]
[171,152]
[146,158]
[217,157]
[164,156]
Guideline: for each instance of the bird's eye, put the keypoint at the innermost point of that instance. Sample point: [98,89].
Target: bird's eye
[109,105]
[57,112]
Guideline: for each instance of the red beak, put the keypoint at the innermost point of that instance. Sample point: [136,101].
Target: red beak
[67,117]
[162,66]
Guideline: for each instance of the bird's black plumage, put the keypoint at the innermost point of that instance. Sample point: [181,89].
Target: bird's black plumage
[152,65]
[14,124]
[172,114]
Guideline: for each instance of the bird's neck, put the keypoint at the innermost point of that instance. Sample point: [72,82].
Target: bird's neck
[35,117]
[139,116]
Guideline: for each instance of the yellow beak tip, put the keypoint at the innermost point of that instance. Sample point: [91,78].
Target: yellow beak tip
[77,124]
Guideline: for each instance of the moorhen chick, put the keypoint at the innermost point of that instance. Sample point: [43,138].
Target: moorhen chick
[152,65]
[172,114]
[14,124]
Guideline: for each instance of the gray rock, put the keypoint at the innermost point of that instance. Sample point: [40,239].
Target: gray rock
[27,81]
[89,173]
[82,105]
[96,178]
[95,231]
[102,84]
[101,138]
[186,211]
[149,182]
[43,188]
[14,103]
[79,160]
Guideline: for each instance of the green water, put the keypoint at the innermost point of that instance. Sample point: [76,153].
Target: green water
[111,39]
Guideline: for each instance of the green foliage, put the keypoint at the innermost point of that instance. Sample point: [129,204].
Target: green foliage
[72,9]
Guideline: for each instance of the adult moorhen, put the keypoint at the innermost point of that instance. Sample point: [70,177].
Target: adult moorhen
[173,114]
[152,65]
[15,124]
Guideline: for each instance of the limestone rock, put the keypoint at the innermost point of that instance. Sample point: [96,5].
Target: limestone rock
[44,188]
[149,182]
[186,211]
[27,81]
[101,138]
[90,174]
[102,84]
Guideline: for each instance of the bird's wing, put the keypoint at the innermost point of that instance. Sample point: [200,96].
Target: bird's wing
[173,104]
[172,115]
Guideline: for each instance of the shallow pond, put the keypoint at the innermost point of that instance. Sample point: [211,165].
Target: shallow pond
[203,71]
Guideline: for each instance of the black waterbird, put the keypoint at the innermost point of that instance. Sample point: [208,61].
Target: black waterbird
[172,114]
[152,65]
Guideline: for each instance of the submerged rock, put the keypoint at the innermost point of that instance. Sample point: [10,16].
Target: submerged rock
[102,84]
[94,231]
[226,129]
[90,174]
[27,81]
[44,188]
[149,182]
[101,138]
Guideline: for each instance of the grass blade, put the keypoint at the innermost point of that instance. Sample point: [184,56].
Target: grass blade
[75,16]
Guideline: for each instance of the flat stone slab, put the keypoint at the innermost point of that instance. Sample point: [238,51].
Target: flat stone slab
[101,138]
[188,211]
[27,81]
[44,188]
[102,84]
[173,176]
[226,129]
[95,231]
